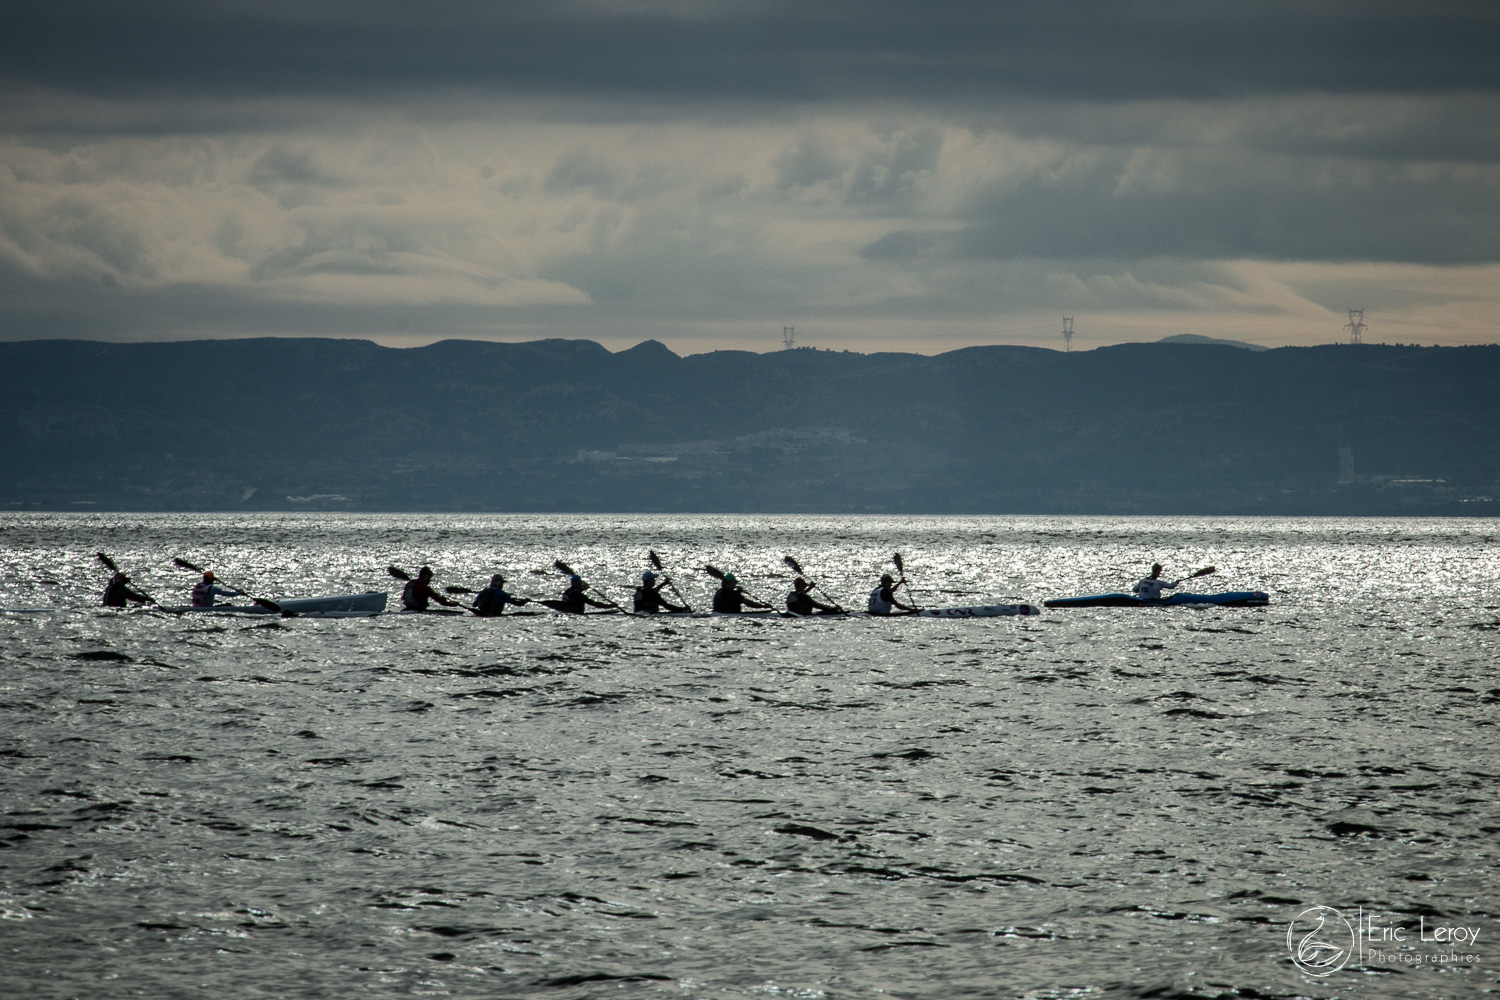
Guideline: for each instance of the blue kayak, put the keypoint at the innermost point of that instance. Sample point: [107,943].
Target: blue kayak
[1238,599]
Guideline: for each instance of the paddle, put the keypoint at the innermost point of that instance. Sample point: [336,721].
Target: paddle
[1205,571]
[405,577]
[656,564]
[719,574]
[268,605]
[901,568]
[567,570]
[796,567]
[110,563]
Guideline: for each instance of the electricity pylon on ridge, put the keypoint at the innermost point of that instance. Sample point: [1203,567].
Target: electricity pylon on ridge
[1067,332]
[788,337]
[1356,326]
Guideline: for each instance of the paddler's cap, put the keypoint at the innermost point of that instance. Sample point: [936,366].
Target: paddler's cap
[731,578]
[887,578]
[648,576]
[497,580]
[209,575]
[575,578]
[799,583]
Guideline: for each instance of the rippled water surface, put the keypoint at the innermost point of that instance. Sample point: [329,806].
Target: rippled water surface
[1090,803]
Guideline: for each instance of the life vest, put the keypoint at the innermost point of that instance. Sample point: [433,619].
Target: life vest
[202,595]
[799,603]
[647,600]
[490,602]
[414,596]
[879,603]
[728,600]
[1150,588]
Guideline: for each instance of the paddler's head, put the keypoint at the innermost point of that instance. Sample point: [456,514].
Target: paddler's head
[800,584]
[497,581]
[119,578]
[577,581]
[208,577]
[1155,570]
[424,574]
[730,580]
[647,577]
[886,579]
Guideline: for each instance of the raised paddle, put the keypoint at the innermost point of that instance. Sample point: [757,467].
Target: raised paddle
[268,605]
[405,577]
[719,574]
[110,564]
[901,568]
[656,564]
[796,567]
[567,570]
[1205,571]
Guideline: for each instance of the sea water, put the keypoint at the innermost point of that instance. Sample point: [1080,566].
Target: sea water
[1090,803]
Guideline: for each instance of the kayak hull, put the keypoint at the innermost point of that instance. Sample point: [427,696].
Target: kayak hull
[980,611]
[338,606]
[1234,599]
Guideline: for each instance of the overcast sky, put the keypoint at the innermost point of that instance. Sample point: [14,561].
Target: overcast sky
[884,175]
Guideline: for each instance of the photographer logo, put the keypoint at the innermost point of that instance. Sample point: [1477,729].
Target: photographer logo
[1320,940]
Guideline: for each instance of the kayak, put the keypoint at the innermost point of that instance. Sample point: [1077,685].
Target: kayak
[340,606]
[1235,599]
[980,611]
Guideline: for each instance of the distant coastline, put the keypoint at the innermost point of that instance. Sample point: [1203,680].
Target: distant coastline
[567,426]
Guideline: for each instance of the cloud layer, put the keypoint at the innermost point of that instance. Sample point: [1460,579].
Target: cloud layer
[928,175]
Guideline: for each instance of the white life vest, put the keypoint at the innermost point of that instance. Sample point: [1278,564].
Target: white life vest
[202,595]
[1151,588]
[879,605]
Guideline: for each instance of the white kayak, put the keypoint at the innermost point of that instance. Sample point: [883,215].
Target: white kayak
[339,606]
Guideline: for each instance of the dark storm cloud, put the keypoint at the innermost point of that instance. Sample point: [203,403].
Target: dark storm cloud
[1130,205]
[956,50]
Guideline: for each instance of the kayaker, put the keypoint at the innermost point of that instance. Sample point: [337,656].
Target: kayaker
[801,602]
[416,593]
[491,601]
[117,593]
[205,590]
[648,598]
[574,600]
[883,598]
[1150,588]
[729,599]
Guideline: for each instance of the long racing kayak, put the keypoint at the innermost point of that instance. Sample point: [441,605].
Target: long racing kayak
[340,606]
[1235,599]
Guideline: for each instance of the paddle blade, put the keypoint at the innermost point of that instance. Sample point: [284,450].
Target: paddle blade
[457,590]
[268,605]
[714,571]
[184,564]
[108,562]
[1205,571]
[900,566]
[563,567]
[655,560]
[398,574]
[796,567]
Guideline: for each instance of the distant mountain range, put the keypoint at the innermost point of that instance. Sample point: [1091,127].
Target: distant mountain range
[1198,338]
[1187,428]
